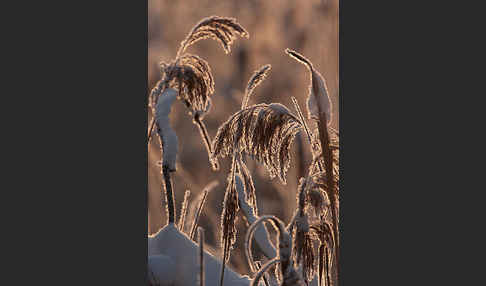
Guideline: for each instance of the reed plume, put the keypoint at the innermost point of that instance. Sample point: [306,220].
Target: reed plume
[264,132]
[221,29]
[192,77]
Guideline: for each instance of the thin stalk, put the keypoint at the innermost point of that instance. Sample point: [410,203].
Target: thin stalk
[184,211]
[169,194]
[151,129]
[198,214]
[264,269]
[306,128]
[328,278]
[207,142]
[259,266]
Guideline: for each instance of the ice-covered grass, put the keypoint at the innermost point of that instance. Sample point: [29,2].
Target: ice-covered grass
[306,250]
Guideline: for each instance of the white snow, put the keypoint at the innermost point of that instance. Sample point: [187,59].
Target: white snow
[169,137]
[161,270]
[169,241]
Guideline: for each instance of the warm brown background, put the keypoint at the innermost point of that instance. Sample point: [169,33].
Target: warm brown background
[307,26]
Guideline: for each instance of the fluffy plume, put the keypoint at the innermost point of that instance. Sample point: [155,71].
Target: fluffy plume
[264,132]
[221,29]
[255,80]
[191,75]
[317,90]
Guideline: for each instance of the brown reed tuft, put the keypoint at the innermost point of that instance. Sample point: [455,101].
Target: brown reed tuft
[191,75]
[264,132]
[221,29]
[324,233]
[303,246]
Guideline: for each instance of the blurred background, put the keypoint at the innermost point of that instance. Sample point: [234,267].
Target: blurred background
[308,26]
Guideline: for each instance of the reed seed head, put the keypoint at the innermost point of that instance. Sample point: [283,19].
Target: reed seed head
[264,132]
[221,29]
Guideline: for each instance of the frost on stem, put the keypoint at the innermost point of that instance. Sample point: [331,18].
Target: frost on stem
[198,206]
[184,211]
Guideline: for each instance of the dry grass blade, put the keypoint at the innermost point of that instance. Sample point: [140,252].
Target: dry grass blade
[302,119]
[255,80]
[206,190]
[264,132]
[221,29]
[318,99]
[184,211]
[207,142]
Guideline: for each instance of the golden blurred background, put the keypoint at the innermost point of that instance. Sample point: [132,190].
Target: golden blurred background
[307,26]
